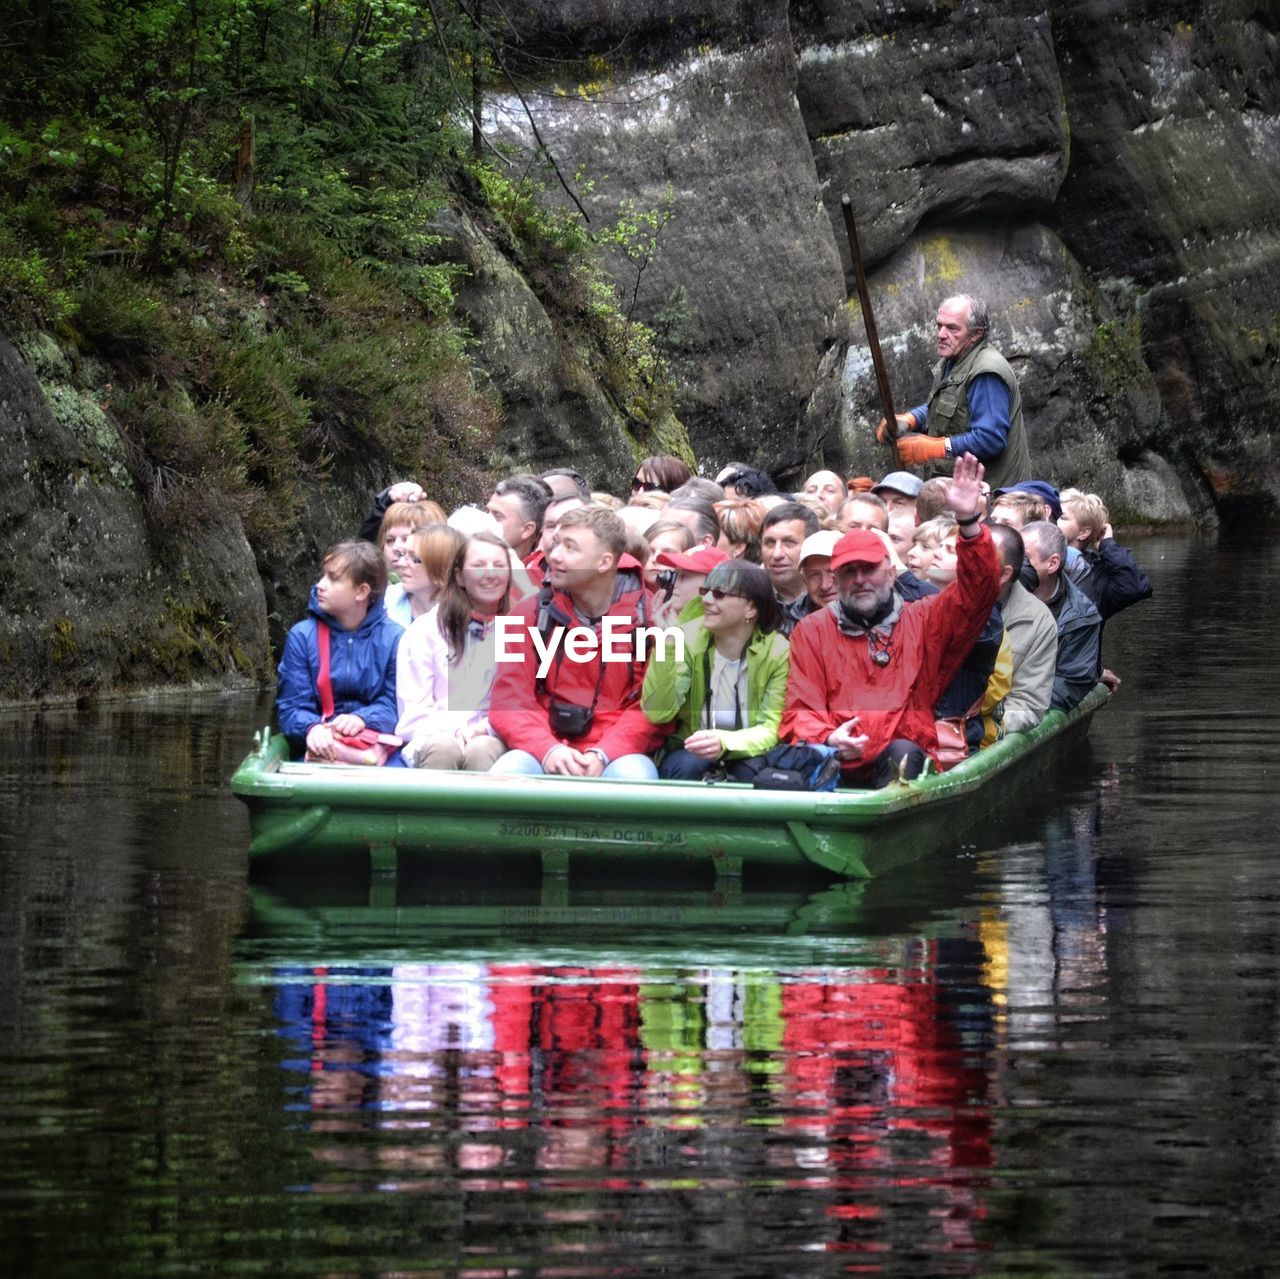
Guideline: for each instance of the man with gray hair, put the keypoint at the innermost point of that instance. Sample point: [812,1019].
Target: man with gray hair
[1079,664]
[974,405]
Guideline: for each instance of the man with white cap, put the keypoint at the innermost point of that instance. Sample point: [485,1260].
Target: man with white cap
[819,581]
[866,669]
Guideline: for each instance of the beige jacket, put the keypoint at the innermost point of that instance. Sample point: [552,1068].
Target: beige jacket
[1033,636]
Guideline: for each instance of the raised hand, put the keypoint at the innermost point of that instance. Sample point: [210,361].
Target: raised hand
[964,493]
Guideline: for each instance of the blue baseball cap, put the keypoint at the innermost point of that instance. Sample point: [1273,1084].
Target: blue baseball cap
[1038,488]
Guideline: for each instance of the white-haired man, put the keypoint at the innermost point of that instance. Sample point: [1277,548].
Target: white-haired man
[974,404]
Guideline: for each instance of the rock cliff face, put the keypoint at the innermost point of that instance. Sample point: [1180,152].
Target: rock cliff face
[1103,172]
[699,100]
[92,599]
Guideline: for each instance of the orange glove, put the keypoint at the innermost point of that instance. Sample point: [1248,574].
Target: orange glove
[906,422]
[914,450]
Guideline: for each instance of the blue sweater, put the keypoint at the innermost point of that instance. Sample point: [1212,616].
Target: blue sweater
[988,431]
[362,671]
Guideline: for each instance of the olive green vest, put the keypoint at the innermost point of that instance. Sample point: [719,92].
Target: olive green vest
[949,411]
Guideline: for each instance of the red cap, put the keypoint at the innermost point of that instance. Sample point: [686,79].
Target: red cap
[858,546]
[703,560]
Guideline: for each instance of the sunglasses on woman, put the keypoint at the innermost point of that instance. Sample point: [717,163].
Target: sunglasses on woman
[717,594]
[644,486]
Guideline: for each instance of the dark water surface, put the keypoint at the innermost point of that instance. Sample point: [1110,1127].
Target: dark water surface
[1050,1051]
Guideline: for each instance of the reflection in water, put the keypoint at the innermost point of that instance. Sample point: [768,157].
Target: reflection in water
[856,1089]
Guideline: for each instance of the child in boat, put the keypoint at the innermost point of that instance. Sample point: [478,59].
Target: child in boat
[929,545]
[447,662]
[727,694]
[347,603]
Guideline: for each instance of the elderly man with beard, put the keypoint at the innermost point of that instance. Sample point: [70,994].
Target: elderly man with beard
[867,669]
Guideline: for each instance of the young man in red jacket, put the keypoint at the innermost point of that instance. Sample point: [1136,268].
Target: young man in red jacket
[566,696]
[867,669]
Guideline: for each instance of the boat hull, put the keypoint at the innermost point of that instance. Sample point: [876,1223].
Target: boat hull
[858,834]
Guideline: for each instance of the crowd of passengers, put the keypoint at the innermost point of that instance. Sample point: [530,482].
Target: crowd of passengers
[855,629]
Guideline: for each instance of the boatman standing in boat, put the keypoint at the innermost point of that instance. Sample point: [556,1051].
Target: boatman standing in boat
[974,405]
[867,669]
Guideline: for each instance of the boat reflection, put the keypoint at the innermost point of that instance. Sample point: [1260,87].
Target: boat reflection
[777,1046]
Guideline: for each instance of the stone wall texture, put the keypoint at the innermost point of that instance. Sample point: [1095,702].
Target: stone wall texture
[1104,172]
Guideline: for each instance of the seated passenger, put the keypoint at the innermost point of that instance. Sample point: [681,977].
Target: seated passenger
[537,561]
[819,581]
[683,603]
[1078,666]
[400,521]
[1033,640]
[970,698]
[564,481]
[346,621]
[931,500]
[517,503]
[660,473]
[781,537]
[699,486]
[423,568]
[698,515]
[1041,489]
[1114,580]
[828,487]
[902,529]
[863,510]
[578,717]
[665,535]
[1017,509]
[726,695]
[898,491]
[740,521]
[445,665]
[865,672]
[826,520]
[406,492]
[470,520]
[927,546]
[748,482]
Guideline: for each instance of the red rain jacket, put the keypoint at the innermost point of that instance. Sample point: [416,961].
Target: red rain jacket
[518,712]
[833,677]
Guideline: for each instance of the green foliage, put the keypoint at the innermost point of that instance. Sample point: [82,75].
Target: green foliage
[266,324]
[561,259]
[1115,353]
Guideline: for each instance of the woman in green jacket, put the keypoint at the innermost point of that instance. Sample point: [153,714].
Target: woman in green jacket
[727,693]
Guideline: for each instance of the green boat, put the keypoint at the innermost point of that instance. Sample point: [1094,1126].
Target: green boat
[397,813]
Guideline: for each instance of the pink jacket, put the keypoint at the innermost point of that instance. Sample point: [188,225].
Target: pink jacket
[433,698]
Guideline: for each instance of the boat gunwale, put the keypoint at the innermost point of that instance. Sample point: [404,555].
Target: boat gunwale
[267,777]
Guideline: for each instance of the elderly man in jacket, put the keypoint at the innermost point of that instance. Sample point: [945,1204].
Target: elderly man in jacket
[867,669]
[1079,664]
[974,404]
[1032,635]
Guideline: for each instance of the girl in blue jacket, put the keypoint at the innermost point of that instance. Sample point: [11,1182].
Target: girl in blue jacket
[347,600]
